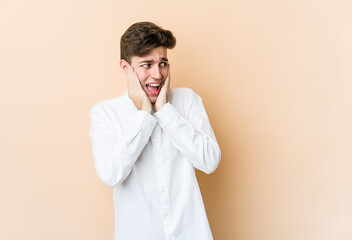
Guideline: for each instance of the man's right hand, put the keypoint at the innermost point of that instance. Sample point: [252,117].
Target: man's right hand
[136,93]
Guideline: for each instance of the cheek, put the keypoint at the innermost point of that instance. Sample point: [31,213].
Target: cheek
[165,73]
[142,76]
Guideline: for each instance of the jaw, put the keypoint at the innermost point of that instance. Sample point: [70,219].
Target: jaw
[153,99]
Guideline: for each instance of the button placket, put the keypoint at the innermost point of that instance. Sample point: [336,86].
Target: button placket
[162,186]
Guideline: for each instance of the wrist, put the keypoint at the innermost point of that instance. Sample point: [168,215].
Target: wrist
[147,109]
[159,107]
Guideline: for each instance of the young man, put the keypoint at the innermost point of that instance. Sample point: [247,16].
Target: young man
[148,142]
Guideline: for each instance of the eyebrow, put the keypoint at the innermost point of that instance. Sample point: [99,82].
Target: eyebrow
[163,59]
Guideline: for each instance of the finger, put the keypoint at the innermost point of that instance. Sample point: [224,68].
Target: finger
[167,81]
[129,77]
[169,73]
[131,81]
[168,84]
[136,82]
[132,78]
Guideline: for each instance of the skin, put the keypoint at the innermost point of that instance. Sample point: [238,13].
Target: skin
[151,68]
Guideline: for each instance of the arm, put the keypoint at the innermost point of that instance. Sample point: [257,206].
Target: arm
[193,136]
[115,155]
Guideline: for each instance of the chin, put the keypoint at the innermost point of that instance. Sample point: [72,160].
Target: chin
[153,99]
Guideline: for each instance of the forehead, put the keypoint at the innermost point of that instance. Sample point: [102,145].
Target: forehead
[157,54]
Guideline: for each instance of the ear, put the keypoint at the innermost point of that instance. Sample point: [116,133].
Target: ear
[125,66]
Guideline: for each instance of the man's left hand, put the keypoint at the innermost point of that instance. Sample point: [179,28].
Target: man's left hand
[163,97]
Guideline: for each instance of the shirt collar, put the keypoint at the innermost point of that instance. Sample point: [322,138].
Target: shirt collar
[128,99]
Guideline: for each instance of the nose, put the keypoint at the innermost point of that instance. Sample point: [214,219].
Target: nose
[156,73]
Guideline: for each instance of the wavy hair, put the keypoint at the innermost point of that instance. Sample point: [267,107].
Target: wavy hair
[142,37]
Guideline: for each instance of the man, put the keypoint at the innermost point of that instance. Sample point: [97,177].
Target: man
[148,142]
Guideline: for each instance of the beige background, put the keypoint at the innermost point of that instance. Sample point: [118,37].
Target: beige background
[276,80]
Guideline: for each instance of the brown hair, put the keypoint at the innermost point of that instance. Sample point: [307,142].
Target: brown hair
[142,37]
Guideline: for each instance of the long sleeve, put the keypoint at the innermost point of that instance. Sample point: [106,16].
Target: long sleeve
[193,136]
[150,159]
[118,144]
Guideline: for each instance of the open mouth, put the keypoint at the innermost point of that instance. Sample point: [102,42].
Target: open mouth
[153,88]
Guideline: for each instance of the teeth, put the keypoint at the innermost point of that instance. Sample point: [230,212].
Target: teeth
[154,85]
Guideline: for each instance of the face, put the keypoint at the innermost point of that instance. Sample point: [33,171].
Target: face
[152,71]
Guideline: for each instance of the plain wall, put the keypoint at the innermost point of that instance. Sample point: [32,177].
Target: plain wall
[276,81]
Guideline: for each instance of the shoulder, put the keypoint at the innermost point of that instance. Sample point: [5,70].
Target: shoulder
[185,100]
[109,105]
[182,91]
[184,94]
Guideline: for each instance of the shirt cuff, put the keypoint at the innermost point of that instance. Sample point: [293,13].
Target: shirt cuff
[147,121]
[168,117]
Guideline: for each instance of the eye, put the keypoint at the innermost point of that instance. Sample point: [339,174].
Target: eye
[146,65]
[163,64]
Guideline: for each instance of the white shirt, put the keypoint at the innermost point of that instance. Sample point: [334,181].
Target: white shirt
[149,160]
